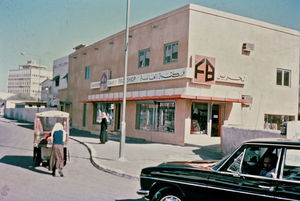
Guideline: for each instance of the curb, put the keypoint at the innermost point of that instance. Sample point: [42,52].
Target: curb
[102,168]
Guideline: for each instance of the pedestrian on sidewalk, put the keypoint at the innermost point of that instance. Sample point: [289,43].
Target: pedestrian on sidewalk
[58,136]
[103,130]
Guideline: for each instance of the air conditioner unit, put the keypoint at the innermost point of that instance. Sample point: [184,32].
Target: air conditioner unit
[248,47]
[247,100]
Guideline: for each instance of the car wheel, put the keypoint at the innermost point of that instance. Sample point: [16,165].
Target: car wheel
[166,195]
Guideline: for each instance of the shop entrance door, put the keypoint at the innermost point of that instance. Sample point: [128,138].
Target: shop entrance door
[216,120]
[117,116]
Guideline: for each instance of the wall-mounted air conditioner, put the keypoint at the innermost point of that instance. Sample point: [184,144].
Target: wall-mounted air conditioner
[248,47]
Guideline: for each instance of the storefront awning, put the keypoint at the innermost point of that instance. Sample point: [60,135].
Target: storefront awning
[166,97]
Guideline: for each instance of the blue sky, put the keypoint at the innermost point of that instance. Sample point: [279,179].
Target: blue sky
[45,30]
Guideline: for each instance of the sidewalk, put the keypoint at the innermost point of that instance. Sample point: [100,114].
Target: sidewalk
[139,153]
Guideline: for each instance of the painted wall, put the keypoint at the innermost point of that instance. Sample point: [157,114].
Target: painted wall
[24,114]
[221,36]
[108,54]
[198,31]
[233,137]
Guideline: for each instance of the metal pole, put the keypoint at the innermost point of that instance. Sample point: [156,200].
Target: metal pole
[123,123]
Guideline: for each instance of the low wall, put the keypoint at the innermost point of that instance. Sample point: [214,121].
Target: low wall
[233,137]
[24,114]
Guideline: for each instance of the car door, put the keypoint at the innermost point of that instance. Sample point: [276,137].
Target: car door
[226,180]
[260,187]
[239,176]
[289,180]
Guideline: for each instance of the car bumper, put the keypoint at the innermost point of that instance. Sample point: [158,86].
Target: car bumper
[143,192]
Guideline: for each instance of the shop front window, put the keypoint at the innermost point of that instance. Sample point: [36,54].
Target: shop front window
[199,118]
[276,122]
[156,116]
[108,108]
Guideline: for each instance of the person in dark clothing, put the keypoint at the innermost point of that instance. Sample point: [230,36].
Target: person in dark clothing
[58,136]
[269,166]
[103,130]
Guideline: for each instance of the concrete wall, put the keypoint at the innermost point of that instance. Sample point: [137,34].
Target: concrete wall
[24,114]
[221,36]
[198,31]
[108,54]
[233,137]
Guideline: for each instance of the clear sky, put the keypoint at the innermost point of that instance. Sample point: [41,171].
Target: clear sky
[45,30]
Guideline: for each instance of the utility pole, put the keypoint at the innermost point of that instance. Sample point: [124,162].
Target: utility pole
[123,123]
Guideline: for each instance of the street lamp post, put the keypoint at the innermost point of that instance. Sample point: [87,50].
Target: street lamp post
[123,123]
[47,90]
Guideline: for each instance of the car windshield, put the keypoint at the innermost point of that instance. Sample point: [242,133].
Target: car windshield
[48,122]
[221,162]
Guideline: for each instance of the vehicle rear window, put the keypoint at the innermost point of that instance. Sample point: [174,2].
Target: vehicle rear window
[291,168]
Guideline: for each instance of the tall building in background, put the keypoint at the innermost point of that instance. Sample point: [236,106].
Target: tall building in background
[27,79]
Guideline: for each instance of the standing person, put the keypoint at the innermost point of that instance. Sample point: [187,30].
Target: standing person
[58,136]
[103,131]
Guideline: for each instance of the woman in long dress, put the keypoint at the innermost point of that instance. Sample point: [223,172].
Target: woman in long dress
[103,130]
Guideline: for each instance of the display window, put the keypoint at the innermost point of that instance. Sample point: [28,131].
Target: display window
[156,116]
[108,108]
[199,118]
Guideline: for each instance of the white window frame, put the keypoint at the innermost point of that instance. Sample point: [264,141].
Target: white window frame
[283,71]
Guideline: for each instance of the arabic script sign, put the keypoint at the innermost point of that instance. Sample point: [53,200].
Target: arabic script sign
[147,77]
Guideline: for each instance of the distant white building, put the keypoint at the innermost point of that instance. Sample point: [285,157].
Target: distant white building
[27,79]
[60,78]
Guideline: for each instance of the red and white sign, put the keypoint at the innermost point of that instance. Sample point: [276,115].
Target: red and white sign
[104,76]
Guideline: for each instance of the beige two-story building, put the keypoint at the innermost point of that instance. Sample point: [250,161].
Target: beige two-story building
[190,71]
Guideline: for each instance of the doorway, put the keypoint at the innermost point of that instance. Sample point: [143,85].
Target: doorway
[206,118]
[216,120]
[117,116]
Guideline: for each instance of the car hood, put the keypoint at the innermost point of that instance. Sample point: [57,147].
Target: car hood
[202,165]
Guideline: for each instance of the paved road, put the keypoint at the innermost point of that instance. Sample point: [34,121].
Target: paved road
[82,181]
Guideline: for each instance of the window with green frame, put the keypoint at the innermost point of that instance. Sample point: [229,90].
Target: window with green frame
[87,72]
[283,77]
[84,115]
[171,53]
[144,58]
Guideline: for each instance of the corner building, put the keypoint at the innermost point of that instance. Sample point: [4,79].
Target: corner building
[190,71]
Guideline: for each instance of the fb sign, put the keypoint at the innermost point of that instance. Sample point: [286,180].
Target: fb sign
[204,69]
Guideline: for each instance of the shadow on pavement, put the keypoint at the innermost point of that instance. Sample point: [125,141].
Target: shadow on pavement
[21,161]
[80,133]
[26,125]
[21,123]
[210,152]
